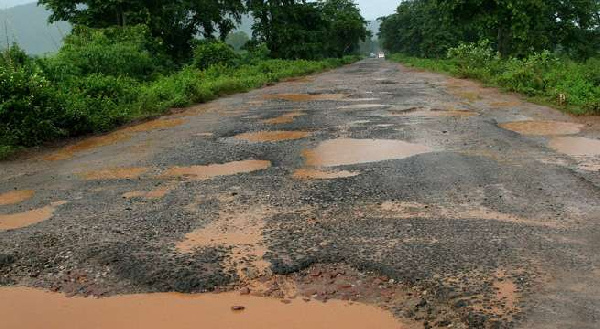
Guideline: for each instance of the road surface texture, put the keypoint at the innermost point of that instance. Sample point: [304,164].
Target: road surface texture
[449,204]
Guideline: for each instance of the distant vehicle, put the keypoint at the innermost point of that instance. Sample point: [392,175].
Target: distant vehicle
[372,55]
[381,55]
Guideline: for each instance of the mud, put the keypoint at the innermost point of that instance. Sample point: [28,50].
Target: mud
[114,174]
[272,136]
[24,219]
[346,151]
[112,138]
[28,308]
[157,193]
[216,170]
[13,197]
[576,146]
[308,174]
[286,118]
[543,128]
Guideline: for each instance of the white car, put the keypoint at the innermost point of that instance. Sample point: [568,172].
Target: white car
[381,55]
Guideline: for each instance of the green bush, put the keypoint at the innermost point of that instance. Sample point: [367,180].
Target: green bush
[30,111]
[209,53]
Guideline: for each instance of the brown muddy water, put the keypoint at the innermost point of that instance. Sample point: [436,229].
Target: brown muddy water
[317,174]
[576,146]
[216,170]
[543,128]
[286,118]
[272,136]
[347,151]
[27,308]
[114,174]
[13,197]
[23,219]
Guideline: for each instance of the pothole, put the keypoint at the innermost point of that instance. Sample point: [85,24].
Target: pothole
[180,311]
[576,146]
[272,136]
[24,219]
[347,151]
[361,106]
[155,194]
[112,138]
[433,112]
[216,170]
[286,118]
[543,128]
[323,174]
[114,174]
[13,197]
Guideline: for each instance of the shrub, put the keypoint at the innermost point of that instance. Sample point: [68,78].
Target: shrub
[209,53]
[29,107]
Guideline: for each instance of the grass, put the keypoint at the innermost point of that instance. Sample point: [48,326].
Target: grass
[572,87]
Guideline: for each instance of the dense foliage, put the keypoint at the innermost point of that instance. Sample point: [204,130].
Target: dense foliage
[574,86]
[297,29]
[102,78]
[176,23]
[428,28]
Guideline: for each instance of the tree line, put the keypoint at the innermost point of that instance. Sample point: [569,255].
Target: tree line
[291,29]
[428,28]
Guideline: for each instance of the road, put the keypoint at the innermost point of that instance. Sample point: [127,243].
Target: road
[424,195]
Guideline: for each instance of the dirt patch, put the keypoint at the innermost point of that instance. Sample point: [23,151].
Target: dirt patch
[216,170]
[114,174]
[347,151]
[306,97]
[317,174]
[157,193]
[361,106]
[286,118]
[112,138]
[543,128]
[15,197]
[272,136]
[576,146]
[23,219]
[239,230]
[29,308]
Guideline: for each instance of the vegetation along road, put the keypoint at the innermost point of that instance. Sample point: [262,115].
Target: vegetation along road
[427,201]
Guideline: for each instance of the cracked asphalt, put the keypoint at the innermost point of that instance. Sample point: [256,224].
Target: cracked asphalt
[401,176]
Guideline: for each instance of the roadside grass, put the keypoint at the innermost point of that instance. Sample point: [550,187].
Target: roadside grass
[115,82]
[570,86]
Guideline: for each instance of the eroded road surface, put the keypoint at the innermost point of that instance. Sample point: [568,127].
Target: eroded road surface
[402,199]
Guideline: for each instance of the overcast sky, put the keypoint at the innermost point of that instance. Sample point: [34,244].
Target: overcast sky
[371,9]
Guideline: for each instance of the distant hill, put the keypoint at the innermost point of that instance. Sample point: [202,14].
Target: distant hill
[28,26]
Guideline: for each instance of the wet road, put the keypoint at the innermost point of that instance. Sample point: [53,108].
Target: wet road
[446,203]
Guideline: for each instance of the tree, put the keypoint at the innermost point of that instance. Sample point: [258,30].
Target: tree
[175,22]
[237,39]
[346,27]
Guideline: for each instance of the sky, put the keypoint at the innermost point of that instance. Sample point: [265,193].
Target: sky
[371,9]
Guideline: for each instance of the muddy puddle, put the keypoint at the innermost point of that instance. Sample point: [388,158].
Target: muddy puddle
[24,219]
[286,118]
[242,231]
[216,170]
[272,136]
[112,138]
[13,197]
[113,174]
[543,128]
[306,97]
[317,174]
[347,151]
[576,146]
[155,194]
[434,112]
[27,308]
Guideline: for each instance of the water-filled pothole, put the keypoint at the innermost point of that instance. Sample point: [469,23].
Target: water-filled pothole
[543,128]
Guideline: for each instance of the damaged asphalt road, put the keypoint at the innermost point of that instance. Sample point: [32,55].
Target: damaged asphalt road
[411,191]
